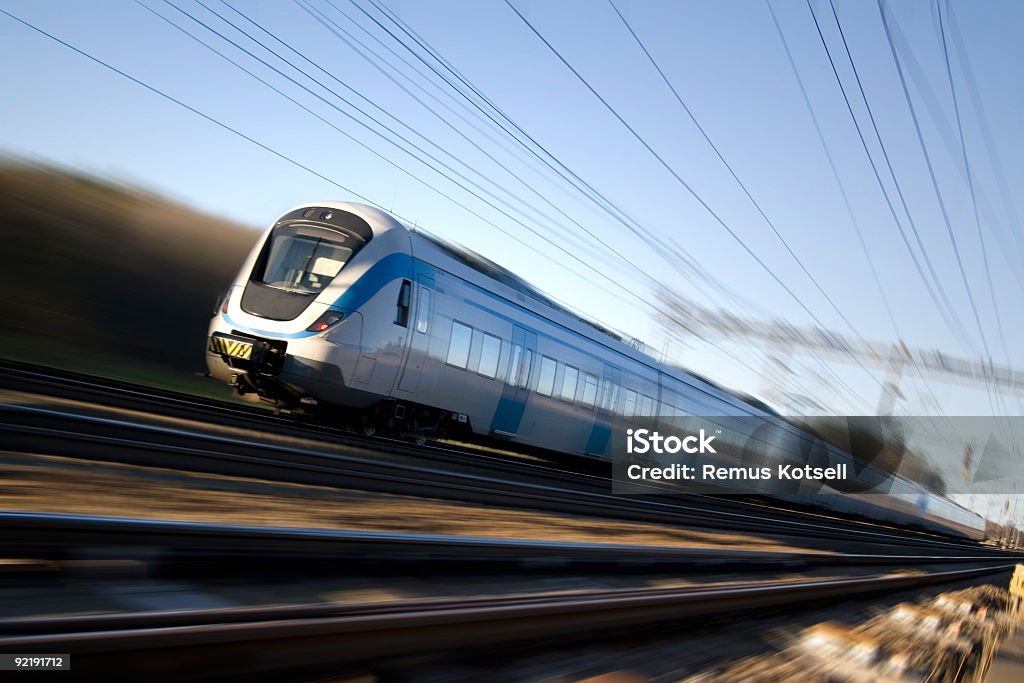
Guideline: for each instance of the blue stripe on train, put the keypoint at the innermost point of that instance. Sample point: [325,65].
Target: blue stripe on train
[599,436]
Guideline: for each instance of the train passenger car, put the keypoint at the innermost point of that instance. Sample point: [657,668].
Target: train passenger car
[342,307]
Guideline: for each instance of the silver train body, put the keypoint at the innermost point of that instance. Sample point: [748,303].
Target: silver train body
[340,305]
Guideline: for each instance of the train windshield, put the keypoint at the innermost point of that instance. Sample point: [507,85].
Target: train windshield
[305,258]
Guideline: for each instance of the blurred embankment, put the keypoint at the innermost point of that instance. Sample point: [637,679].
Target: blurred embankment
[94,274]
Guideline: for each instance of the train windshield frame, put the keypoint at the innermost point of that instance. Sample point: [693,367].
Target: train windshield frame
[302,258]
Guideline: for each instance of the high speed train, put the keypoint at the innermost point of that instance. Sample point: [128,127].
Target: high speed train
[340,307]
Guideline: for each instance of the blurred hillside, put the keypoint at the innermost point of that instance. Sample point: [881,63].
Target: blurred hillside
[93,274]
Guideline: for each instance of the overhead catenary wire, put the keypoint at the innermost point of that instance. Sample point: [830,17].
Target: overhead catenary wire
[668,167]
[629,292]
[514,198]
[955,319]
[1010,244]
[234,131]
[948,315]
[970,185]
[211,119]
[736,178]
[974,199]
[729,168]
[944,211]
[343,35]
[991,150]
[527,227]
[842,189]
[322,19]
[510,207]
[799,301]
[493,113]
[934,181]
[419,41]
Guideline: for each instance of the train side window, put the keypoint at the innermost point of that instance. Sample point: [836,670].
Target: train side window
[629,409]
[569,380]
[402,307]
[515,368]
[646,406]
[489,355]
[589,397]
[607,395]
[611,396]
[524,376]
[423,312]
[546,383]
[458,346]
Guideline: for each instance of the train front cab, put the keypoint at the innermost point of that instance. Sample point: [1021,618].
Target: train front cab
[311,318]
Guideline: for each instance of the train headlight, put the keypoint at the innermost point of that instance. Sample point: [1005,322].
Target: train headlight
[326,320]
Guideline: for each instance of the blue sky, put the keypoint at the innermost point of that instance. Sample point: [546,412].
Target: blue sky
[724,58]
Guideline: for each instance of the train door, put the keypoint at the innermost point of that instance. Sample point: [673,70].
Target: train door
[601,432]
[512,405]
[420,335]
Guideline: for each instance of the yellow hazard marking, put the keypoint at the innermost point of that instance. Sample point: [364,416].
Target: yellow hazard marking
[231,347]
[1017,581]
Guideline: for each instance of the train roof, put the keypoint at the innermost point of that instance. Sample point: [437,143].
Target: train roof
[489,268]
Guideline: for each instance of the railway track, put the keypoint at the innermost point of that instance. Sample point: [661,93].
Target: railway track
[237,641]
[316,638]
[31,429]
[340,458]
[307,640]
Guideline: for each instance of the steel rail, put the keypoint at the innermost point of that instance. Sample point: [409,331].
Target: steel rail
[52,536]
[239,640]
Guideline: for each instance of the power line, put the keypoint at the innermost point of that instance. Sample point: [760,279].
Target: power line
[219,123]
[974,199]
[729,167]
[931,176]
[195,111]
[666,165]
[390,130]
[416,39]
[970,183]
[547,158]
[938,195]
[996,164]
[205,116]
[639,270]
[946,130]
[835,171]
[678,178]
[899,191]
[404,139]
[331,26]
[842,189]
[947,313]
[628,291]
[738,360]
[450,68]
